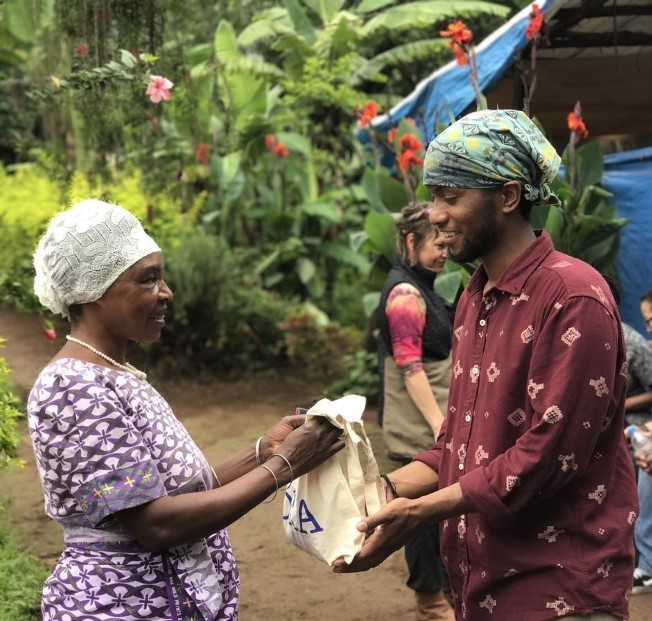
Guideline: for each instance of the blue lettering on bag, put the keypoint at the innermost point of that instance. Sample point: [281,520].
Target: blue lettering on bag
[304,515]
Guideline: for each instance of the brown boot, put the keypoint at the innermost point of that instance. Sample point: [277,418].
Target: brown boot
[433,607]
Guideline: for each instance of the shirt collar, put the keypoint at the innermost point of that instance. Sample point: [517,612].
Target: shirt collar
[515,276]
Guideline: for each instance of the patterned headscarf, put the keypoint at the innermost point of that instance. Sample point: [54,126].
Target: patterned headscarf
[84,251]
[488,148]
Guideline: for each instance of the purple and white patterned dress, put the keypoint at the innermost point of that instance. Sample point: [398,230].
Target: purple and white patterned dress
[106,441]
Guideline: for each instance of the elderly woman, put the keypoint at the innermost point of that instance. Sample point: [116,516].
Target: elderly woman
[143,513]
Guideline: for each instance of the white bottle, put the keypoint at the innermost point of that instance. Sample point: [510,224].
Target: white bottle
[638,440]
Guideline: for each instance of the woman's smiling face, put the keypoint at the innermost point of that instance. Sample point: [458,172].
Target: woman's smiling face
[134,305]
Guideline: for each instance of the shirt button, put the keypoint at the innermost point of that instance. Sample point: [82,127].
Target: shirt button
[483,322]
[460,466]
[467,418]
[475,370]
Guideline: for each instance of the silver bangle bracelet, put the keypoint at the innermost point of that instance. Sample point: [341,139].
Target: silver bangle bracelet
[275,481]
[287,461]
[258,450]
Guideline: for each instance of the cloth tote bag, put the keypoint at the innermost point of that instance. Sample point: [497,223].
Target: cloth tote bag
[321,508]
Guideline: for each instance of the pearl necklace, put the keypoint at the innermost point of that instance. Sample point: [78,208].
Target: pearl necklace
[125,367]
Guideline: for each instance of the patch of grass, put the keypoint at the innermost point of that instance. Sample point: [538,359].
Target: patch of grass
[21,580]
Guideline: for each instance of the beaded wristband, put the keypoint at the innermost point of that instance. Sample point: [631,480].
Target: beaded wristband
[390,484]
[275,481]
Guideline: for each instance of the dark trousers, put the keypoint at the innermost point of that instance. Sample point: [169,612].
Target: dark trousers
[424,562]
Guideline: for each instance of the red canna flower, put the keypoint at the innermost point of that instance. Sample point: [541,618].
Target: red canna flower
[457,32]
[461,57]
[461,38]
[533,29]
[203,153]
[391,135]
[409,158]
[410,142]
[281,150]
[576,124]
[369,112]
[82,49]
[270,141]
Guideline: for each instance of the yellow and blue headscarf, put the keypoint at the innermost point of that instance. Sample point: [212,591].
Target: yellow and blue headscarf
[488,148]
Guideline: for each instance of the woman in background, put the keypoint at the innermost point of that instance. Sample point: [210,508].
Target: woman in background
[414,357]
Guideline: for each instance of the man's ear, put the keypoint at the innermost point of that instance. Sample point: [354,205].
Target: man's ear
[511,192]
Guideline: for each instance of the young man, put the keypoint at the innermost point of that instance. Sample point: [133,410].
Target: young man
[536,496]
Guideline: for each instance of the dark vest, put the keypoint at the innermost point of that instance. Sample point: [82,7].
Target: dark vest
[437,338]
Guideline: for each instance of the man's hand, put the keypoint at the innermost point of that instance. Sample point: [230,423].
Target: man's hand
[386,531]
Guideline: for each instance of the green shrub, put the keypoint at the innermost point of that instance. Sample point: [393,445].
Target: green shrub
[29,199]
[360,376]
[9,413]
[221,317]
[21,580]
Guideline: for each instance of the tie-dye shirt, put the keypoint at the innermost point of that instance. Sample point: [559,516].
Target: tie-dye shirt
[406,319]
[534,437]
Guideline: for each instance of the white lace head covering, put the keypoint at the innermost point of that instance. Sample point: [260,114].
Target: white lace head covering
[84,251]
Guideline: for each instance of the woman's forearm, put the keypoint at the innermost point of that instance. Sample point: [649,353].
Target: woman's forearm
[173,520]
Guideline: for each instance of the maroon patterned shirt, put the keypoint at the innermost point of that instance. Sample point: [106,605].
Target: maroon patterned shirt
[534,437]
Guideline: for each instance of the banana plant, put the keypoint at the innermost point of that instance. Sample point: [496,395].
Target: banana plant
[304,28]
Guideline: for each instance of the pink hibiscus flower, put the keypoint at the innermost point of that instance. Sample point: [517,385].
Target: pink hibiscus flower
[159,89]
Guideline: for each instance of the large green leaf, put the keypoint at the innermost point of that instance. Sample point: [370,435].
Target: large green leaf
[381,234]
[368,6]
[392,192]
[300,20]
[340,38]
[295,142]
[226,44]
[589,164]
[593,230]
[344,254]
[402,54]
[326,9]
[370,303]
[21,20]
[254,66]
[263,30]
[371,190]
[594,200]
[555,225]
[449,284]
[328,211]
[427,13]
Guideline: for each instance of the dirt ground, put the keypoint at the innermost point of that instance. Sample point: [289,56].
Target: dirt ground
[279,582]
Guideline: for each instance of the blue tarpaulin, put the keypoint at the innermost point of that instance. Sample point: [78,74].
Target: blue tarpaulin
[628,176]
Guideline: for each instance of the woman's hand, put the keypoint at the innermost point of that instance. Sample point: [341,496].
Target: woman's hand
[272,439]
[310,444]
